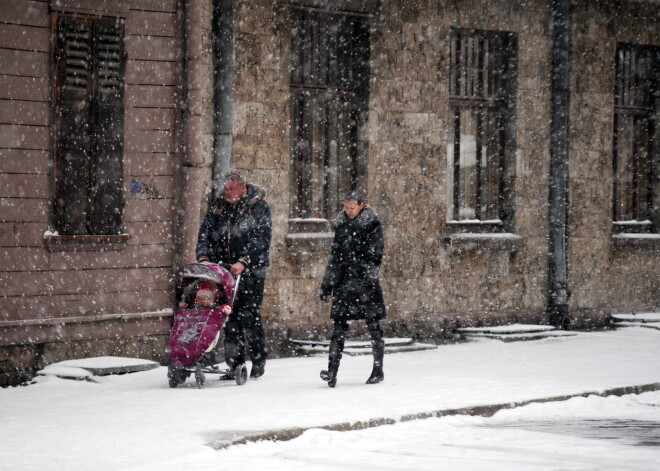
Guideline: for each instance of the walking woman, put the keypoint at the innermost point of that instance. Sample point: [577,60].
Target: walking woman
[351,277]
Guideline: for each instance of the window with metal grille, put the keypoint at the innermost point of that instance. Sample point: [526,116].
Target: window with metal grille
[89,86]
[329,87]
[635,152]
[481,138]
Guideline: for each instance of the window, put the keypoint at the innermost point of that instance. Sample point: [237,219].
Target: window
[329,88]
[481,139]
[89,76]
[636,100]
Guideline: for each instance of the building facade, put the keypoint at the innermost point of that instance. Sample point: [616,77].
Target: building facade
[509,148]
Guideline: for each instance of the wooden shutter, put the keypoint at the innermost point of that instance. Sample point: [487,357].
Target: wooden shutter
[89,102]
[74,87]
[108,125]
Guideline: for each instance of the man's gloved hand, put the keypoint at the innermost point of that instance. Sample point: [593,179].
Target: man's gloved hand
[323,297]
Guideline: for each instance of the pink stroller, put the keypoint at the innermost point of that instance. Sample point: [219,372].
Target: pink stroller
[202,291]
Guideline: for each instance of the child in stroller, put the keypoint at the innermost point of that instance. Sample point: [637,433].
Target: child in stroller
[208,296]
[204,295]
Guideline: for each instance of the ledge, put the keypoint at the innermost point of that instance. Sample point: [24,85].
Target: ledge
[474,226]
[505,241]
[309,235]
[636,241]
[85,243]
[309,242]
[17,332]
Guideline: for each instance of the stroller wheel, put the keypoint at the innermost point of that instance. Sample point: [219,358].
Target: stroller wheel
[241,374]
[176,376]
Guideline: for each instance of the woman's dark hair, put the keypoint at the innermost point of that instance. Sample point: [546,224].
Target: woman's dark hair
[354,195]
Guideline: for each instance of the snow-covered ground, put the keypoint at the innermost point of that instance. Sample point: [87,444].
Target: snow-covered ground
[136,422]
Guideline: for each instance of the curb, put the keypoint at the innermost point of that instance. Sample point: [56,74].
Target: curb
[237,438]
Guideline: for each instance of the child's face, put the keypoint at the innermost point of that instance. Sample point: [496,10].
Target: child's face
[204,300]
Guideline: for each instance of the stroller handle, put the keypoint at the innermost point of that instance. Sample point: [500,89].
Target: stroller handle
[233,296]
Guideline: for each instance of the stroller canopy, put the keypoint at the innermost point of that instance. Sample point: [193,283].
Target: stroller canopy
[196,272]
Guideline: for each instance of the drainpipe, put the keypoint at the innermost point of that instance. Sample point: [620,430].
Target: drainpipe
[191,137]
[558,293]
[223,72]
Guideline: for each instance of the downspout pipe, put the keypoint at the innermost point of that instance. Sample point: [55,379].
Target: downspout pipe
[223,73]
[558,292]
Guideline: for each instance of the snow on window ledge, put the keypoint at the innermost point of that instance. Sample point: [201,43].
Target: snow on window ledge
[505,241]
[85,243]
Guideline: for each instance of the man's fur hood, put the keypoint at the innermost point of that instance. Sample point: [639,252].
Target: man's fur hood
[254,194]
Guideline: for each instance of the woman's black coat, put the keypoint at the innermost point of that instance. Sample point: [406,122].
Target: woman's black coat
[351,275]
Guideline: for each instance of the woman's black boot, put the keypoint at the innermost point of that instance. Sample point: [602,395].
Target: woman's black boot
[330,376]
[336,350]
[377,374]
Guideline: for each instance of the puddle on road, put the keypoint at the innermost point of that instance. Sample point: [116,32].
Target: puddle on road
[630,432]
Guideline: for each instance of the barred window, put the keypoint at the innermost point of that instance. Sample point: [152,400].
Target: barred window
[481,140]
[329,88]
[89,86]
[635,156]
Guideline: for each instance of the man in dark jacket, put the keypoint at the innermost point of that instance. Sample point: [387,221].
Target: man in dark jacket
[236,233]
[351,276]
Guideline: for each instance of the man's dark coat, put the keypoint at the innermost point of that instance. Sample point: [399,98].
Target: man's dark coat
[237,233]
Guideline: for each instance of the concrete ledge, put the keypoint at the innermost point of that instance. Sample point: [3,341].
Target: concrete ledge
[238,438]
[636,241]
[484,241]
[309,242]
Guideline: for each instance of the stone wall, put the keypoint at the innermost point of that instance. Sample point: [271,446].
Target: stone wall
[429,287]
[602,276]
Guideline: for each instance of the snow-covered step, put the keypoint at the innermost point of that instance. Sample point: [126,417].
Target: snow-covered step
[652,325]
[635,317]
[87,368]
[513,332]
[360,347]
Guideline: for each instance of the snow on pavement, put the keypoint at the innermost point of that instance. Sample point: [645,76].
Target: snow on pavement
[136,421]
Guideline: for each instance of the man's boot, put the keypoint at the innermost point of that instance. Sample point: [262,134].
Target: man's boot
[258,369]
[377,374]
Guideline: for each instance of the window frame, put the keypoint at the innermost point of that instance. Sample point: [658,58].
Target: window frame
[317,82]
[627,106]
[485,96]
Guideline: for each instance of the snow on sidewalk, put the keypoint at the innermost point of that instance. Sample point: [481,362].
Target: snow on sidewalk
[122,422]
